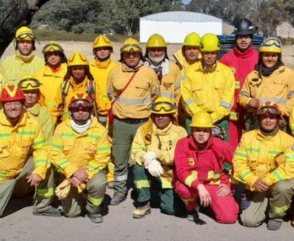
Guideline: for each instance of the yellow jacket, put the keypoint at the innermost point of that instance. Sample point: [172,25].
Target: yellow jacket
[74,89]
[16,144]
[211,91]
[16,66]
[278,88]
[163,143]
[45,120]
[136,100]
[50,83]
[171,83]
[70,150]
[256,154]
[100,72]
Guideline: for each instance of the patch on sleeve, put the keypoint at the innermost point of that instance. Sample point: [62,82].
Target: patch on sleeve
[191,161]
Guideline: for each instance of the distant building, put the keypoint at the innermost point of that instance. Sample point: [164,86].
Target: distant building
[174,26]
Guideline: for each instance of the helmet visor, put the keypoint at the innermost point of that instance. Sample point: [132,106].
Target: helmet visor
[78,104]
[25,83]
[157,107]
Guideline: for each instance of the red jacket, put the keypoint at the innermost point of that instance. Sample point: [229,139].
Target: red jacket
[193,166]
[242,64]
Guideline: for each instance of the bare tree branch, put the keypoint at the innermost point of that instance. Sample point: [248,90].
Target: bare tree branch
[20,15]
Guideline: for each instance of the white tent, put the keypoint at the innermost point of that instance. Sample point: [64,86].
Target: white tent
[174,26]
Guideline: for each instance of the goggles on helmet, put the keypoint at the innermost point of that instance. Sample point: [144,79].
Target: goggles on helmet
[272,42]
[267,111]
[26,35]
[158,106]
[51,47]
[25,83]
[79,104]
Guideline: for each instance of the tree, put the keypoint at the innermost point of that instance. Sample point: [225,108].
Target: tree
[20,14]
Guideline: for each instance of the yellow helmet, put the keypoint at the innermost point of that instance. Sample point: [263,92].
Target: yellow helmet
[209,43]
[29,82]
[163,105]
[24,33]
[52,47]
[130,44]
[156,40]
[202,120]
[192,39]
[102,41]
[77,58]
[272,45]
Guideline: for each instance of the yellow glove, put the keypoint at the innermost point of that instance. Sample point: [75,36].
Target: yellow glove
[62,190]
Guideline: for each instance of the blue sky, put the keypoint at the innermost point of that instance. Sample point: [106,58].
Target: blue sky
[186,1]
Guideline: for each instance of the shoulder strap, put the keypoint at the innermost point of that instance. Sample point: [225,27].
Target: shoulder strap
[126,86]
[91,89]
[64,91]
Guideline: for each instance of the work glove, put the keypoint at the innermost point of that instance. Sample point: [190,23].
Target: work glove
[148,157]
[218,132]
[63,189]
[155,168]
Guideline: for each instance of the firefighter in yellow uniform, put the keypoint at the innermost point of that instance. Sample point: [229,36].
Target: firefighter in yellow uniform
[80,151]
[264,162]
[78,79]
[270,81]
[21,137]
[187,56]
[153,151]
[131,109]
[168,74]
[31,90]
[100,67]
[52,74]
[24,61]
[209,86]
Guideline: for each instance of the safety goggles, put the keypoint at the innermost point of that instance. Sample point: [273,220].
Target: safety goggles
[163,105]
[51,47]
[272,42]
[26,36]
[267,111]
[77,105]
[26,83]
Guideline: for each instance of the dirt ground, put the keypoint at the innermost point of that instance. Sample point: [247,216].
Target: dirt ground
[86,48]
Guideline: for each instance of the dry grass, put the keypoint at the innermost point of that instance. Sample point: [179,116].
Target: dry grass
[86,48]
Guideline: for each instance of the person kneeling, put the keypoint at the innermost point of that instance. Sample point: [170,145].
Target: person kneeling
[264,162]
[153,151]
[80,151]
[200,174]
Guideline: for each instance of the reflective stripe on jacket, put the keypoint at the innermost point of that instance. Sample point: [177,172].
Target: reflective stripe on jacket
[195,166]
[70,150]
[163,143]
[256,154]
[16,146]
[211,91]
[277,88]
[135,102]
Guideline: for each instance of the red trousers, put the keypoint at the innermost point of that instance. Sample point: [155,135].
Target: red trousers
[225,208]
[235,131]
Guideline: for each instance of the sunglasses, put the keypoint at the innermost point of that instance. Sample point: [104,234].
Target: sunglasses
[77,105]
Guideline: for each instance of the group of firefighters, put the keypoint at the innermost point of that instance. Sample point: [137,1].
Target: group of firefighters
[199,133]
